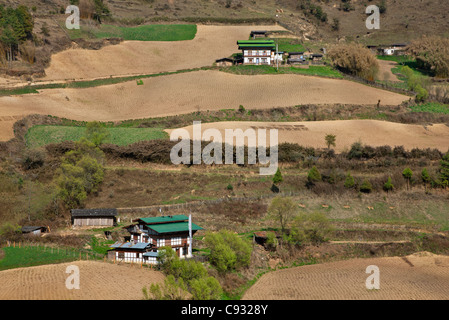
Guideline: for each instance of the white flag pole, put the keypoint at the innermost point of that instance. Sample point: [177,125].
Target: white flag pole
[190,235]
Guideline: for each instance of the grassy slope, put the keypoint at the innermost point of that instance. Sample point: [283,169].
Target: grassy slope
[39,136]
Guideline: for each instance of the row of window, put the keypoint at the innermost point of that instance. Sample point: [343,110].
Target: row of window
[257,52]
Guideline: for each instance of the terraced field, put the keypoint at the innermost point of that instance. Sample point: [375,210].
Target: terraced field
[420,276]
[98,281]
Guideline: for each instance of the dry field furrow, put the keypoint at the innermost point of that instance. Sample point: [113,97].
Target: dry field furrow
[98,281]
[370,132]
[427,277]
[189,92]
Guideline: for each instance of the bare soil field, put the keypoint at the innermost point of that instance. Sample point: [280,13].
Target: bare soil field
[146,57]
[370,132]
[189,92]
[98,281]
[418,276]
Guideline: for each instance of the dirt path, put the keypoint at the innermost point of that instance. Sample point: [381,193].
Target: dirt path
[385,73]
[370,132]
[98,281]
[418,276]
[189,92]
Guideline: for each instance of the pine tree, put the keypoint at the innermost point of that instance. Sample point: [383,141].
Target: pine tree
[425,177]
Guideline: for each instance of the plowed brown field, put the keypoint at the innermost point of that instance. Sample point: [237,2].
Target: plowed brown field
[370,132]
[98,281]
[419,276]
[189,92]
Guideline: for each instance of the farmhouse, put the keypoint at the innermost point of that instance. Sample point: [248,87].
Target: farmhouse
[257,52]
[148,235]
[395,49]
[93,217]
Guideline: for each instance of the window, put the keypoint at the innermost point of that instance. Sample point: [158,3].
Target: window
[176,241]
[121,255]
[261,53]
[254,52]
[160,242]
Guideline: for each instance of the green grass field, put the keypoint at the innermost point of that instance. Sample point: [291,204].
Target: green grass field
[323,71]
[34,256]
[432,107]
[39,136]
[155,32]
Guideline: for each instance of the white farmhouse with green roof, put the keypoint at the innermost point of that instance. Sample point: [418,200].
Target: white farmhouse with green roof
[148,235]
[258,52]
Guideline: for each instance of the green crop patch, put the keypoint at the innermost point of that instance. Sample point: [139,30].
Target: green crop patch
[153,32]
[39,136]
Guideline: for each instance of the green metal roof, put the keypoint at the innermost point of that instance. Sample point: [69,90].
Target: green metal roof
[255,41]
[271,46]
[174,227]
[164,219]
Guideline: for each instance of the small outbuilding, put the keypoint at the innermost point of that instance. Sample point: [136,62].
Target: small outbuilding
[224,62]
[34,230]
[94,217]
[258,34]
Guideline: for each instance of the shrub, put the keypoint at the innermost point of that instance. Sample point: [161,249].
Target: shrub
[33,159]
[366,186]
[313,175]
[444,170]
[205,289]
[349,182]
[171,290]
[388,186]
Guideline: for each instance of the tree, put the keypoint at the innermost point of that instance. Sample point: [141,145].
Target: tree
[330,140]
[80,173]
[407,174]
[311,228]
[354,59]
[425,177]
[388,186]
[282,210]
[277,178]
[432,54]
[228,251]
